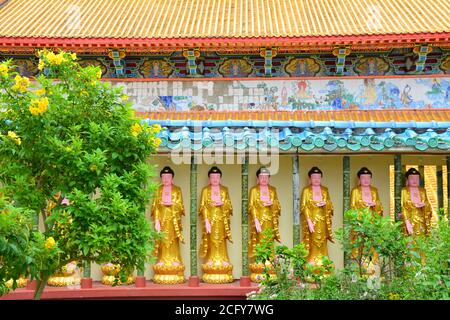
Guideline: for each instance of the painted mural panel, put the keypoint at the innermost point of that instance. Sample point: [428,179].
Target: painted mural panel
[291,95]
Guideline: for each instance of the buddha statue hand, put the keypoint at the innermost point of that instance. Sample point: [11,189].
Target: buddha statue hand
[321,203]
[257,225]
[268,203]
[217,204]
[157,225]
[419,204]
[409,227]
[310,225]
[207,225]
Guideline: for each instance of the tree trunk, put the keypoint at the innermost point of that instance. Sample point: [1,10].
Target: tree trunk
[40,286]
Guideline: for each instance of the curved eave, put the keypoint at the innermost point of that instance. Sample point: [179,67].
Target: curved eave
[318,42]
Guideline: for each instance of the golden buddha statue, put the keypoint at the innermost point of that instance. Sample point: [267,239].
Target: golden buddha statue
[365,196]
[316,218]
[215,211]
[167,210]
[416,209]
[264,210]
[110,272]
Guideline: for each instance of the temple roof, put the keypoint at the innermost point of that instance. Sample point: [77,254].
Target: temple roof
[161,20]
[290,139]
[305,131]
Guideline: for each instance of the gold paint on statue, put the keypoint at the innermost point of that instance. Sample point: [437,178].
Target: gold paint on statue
[110,272]
[357,203]
[213,248]
[21,283]
[356,200]
[65,276]
[420,218]
[321,217]
[169,268]
[268,217]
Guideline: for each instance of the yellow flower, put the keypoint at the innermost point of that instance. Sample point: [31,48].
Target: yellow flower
[59,58]
[50,56]
[55,58]
[136,129]
[41,64]
[93,167]
[394,296]
[38,106]
[99,74]
[156,128]
[12,135]
[155,142]
[3,70]
[50,243]
[40,92]
[43,104]
[34,111]
[21,84]
[73,56]
[124,97]
[84,92]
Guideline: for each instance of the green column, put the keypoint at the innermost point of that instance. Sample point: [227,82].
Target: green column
[87,270]
[244,209]
[440,187]
[193,217]
[296,199]
[139,272]
[36,222]
[346,182]
[422,174]
[346,191]
[398,182]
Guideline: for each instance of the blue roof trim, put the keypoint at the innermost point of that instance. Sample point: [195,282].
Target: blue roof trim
[307,140]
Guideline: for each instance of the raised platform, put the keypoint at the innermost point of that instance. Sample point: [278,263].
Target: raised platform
[151,291]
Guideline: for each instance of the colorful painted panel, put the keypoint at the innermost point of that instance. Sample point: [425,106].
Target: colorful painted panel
[332,94]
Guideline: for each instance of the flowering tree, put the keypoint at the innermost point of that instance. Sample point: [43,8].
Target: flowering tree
[72,151]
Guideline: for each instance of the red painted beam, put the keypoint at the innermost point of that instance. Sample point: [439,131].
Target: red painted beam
[443,37]
[150,291]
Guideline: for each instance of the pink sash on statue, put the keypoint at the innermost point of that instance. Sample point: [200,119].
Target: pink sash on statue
[366,194]
[415,195]
[317,193]
[264,193]
[215,194]
[167,195]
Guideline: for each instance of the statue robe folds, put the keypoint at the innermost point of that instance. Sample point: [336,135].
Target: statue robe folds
[214,245]
[267,215]
[357,202]
[217,267]
[169,268]
[321,217]
[168,248]
[420,218]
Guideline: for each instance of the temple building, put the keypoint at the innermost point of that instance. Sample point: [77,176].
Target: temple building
[287,84]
